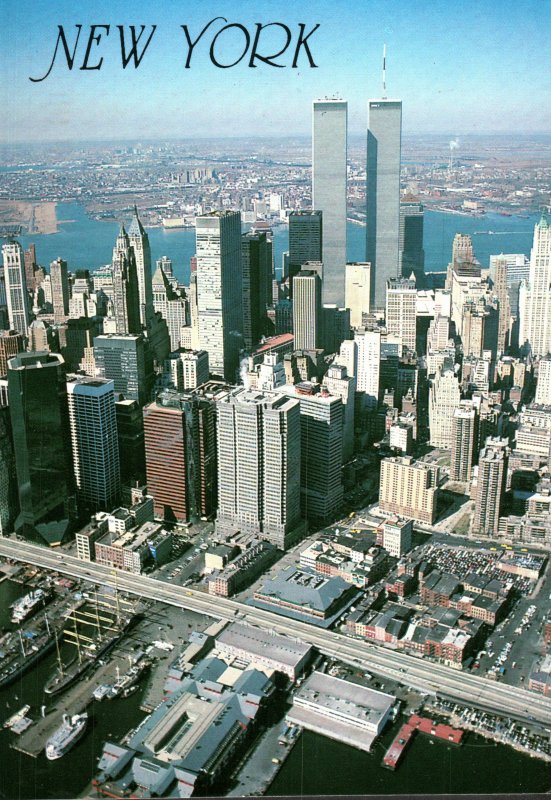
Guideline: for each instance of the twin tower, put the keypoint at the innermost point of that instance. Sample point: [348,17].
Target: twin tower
[329,185]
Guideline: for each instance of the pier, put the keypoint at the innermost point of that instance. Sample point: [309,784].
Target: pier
[424,725]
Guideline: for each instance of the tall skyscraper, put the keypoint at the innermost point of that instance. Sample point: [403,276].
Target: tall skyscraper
[93,426]
[60,289]
[131,442]
[307,309]
[259,456]
[9,505]
[11,343]
[171,303]
[329,154]
[42,443]
[305,240]
[543,386]
[491,482]
[180,455]
[411,252]
[444,396]
[538,306]
[368,365]
[256,259]
[500,288]
[17,296]
[30,266]
[340,384]
[384,142]
[401,309]
[139,241]
[358,291]
[464,438]
[126,298]
[126,360]
[219,290]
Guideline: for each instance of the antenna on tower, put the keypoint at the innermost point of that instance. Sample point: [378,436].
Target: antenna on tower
[384,71]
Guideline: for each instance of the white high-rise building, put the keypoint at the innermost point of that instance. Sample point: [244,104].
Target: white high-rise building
[195,368]
[171,304]
[306,309]
[17,297]
[93,425]
[329,173]
[219,290]
[444,397]
[543,386]
[342,385]
[259,453]
[357,291]
[384,143]
[368,343]
[401,307]
[538,307]
[139,241]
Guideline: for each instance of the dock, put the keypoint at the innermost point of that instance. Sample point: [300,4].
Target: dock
[423,725]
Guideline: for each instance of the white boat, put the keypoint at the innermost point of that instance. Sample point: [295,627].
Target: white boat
[67,735]
[25,606]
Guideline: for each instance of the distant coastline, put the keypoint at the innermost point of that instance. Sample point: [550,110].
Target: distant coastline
[34,218]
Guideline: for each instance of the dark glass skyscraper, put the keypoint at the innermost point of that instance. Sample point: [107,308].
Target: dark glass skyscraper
[384,138]
[40,425]
[305,240]
[411,252]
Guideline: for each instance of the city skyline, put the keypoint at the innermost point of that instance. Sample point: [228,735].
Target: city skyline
[163,98]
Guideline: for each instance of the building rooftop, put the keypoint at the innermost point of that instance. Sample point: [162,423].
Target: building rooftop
[258,642]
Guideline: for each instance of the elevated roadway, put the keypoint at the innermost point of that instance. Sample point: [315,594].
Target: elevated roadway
[427,677]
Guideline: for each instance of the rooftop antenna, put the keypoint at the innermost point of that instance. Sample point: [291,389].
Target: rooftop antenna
[384,72]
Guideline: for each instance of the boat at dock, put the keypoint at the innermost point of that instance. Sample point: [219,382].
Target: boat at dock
[25,606]
[22,650]
[66,736]
[15,718]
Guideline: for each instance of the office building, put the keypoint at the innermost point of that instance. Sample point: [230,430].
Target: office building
[171,303]
[78,346]
[17,296]
[490,488]
[397,536]
[543,384]
[329,172]
[60,289]
[220,290]
[410,250]
[195,368]
[9,505]
[29,259]
[125,306]
[307,293]
[11,343]
[500,280]
[444,396]
[384,141]
[357,291]
[340,384]
[130,437]
[126,360]
[538,306]
[93,426]
[305,240]
[409,488]
[321,435]
[368,365]
[464,439]
[256,261]
[401,308]
[139,242]
[180,455]
[259,460]
[42,444]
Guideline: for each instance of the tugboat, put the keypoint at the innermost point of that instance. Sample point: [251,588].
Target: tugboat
[66,736]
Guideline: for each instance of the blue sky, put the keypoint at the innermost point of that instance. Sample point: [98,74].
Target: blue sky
[459,67]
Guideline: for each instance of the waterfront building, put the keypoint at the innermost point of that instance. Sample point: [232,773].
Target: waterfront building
[384,141]
[139,242]
[60,289]
[42,444]
[180,455]
[270,650]
[305,240]
[126,360]
[357,291]
[11,343]
[17,296]
[329,177]
[401,307]
[220,290]
[409,488]
[490,486]
[259,465]
[93,426]
[307,291]
[410,249]
[464,439]
[538,304]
